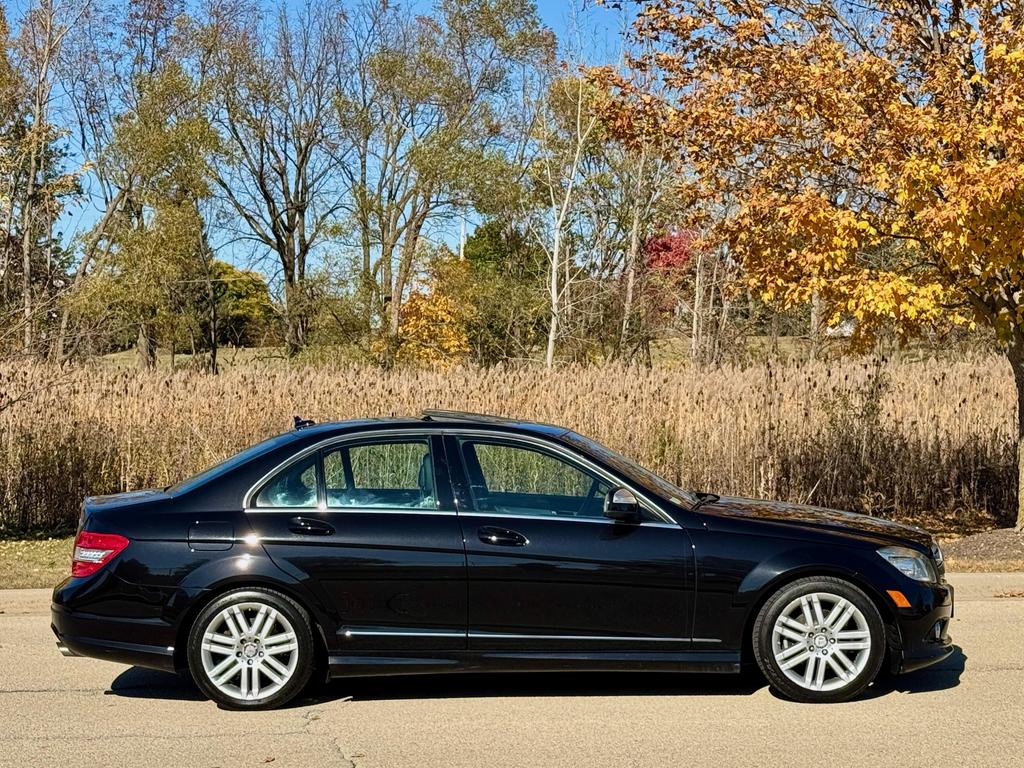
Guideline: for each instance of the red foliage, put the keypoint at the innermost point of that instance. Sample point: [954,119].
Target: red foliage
[671,252]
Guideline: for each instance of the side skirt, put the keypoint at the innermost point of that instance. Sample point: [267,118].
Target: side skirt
[723,662]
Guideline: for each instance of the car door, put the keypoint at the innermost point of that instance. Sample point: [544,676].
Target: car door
[369,524]
[547,571]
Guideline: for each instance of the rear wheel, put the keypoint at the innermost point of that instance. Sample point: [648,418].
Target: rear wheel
[819,639]
[251,649]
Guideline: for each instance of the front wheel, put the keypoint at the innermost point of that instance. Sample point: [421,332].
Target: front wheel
[251,649]
[819,639]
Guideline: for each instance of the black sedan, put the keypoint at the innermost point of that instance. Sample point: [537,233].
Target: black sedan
[458,542]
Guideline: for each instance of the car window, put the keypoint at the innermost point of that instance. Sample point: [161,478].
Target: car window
[294,486]
[520,480]
[394,474]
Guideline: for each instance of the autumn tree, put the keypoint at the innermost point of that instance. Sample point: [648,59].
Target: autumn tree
[873,151]
[428,104]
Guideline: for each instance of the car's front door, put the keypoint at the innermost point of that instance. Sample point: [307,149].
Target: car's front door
[547,571]
[370,525]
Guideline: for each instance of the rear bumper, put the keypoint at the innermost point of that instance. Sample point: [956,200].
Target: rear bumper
[924,631]
[98,637]
[94,617]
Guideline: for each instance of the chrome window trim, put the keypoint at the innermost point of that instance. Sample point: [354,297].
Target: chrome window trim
[353,510]
[563,519]
[427,432]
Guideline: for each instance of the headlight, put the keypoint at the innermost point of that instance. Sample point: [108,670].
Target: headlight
[909,562]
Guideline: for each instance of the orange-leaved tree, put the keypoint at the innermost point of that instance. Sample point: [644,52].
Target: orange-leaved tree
[869,154]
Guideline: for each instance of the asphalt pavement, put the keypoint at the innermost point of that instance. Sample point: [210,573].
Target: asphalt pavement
[968,711]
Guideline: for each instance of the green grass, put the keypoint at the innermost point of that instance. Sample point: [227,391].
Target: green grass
[26,563]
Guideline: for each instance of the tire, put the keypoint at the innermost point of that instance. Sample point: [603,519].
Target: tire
[231,659]
[819,640]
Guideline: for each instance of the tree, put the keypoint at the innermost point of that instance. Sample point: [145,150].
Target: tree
[427,104]
[875,152]
[275,110]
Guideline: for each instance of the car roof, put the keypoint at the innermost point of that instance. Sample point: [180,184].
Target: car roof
[435,419]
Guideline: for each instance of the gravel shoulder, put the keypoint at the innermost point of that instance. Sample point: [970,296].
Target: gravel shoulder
[998,550]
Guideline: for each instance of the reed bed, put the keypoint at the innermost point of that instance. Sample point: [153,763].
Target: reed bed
[929,441]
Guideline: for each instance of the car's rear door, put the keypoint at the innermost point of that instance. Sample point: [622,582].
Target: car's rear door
[547,571]
[369,523]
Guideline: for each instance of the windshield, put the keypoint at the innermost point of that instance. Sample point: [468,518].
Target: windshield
[632,471]
[227,465]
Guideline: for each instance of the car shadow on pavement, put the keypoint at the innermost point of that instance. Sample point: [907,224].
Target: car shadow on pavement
[141,683]
[536,684]
[137,682]
[946,674]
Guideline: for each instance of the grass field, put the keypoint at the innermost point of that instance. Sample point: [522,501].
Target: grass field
[34,562]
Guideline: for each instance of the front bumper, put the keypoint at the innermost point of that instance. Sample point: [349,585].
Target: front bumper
[923,631]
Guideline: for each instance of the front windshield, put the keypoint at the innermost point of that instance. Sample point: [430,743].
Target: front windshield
[631,470]
[226,465]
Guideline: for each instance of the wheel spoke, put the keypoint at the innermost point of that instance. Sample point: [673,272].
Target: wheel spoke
[268,670]
[791,635]
[278,638]
[845,661]
[794,624]
[843,674]
[790,652]
[225,665]
[797,660]
[261,632]
[805,605]
[243,684]
[254,673]
[810,671]
[836,612]
[273,650]
[844,618]
[231,626]
[227,674]
[819,675]
[819,616]
[240,618]
[277,666]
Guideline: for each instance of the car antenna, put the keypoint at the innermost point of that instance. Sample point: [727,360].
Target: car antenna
[301,423]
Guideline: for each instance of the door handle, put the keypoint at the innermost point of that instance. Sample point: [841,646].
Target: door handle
[501,537]
[309,526]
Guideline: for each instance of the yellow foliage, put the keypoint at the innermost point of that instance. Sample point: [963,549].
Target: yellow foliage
[433,331]
[881,169]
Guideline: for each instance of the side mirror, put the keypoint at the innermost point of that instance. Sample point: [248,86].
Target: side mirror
[620,504]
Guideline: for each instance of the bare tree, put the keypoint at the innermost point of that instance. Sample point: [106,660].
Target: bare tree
[274,107]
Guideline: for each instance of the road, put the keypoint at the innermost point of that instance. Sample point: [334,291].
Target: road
[78,712]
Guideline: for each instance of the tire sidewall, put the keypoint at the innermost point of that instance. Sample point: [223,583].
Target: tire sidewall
[304,639]
[764,653]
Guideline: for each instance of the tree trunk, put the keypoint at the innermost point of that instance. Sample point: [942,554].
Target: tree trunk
[815,329]
[145,349]
[1016,357]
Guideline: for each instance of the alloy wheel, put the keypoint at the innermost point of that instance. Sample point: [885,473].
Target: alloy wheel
[249,651]
[821,641]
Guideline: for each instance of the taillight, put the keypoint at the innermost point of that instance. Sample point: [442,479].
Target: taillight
[94,550]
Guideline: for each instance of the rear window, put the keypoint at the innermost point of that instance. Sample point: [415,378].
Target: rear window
[230,463]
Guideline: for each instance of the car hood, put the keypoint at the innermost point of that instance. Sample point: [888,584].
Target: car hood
[818,518]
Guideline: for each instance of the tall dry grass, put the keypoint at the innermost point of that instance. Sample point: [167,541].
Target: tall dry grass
[925,440]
